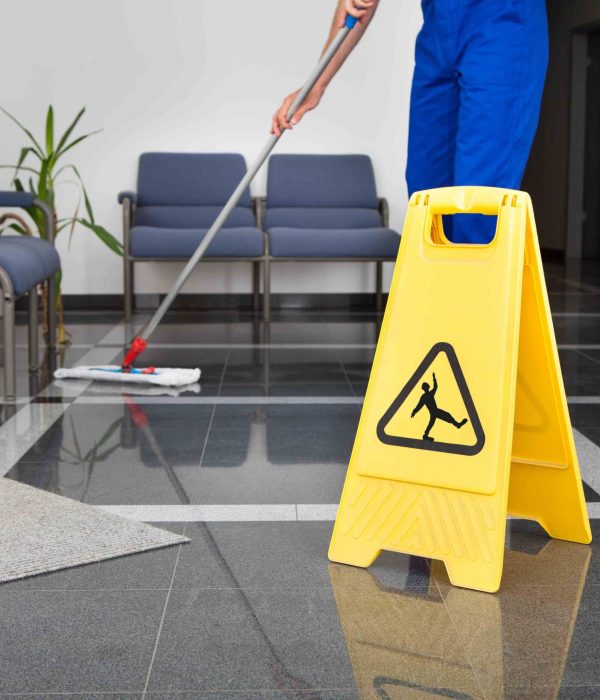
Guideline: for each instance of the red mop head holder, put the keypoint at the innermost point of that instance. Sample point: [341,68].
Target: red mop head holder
[137,348]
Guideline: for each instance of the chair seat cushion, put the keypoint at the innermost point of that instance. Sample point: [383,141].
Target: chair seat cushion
[166,243]
[333,243]
[48,253]
[27,261]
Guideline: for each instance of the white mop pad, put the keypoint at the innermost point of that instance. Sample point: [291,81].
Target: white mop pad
[163,376]
[104,389]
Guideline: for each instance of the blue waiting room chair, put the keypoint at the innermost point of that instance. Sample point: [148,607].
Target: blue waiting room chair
[325,208]
[26,262]
[178,197]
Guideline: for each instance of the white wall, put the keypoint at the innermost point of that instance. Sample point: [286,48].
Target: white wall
[201,75]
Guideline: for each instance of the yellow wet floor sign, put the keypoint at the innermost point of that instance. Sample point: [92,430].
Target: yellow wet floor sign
[465,417]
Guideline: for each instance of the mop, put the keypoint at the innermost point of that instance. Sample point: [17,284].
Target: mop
[180,377]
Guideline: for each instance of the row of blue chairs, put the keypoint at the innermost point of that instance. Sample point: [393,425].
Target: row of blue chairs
[25,263]
[317,208]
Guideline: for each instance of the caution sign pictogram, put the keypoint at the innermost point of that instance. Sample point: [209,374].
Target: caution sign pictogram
[465,418]
[435,402]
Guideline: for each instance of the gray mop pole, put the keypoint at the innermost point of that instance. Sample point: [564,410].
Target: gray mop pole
[239,191]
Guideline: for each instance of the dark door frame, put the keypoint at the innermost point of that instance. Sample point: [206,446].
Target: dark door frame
[577,134]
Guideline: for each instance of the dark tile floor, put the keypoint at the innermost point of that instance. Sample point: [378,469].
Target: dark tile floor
[251,609]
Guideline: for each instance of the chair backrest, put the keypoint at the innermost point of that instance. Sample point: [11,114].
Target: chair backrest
[188,190]
[322,191]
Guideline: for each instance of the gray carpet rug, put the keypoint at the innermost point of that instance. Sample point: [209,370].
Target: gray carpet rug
[42,532]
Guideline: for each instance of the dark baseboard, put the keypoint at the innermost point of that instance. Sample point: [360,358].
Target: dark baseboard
[235,302]
[205,302]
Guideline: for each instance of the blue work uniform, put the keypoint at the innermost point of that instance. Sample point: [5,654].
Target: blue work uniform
[480,67]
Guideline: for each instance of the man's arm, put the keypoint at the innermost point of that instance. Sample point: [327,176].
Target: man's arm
[418,407]
[435,386]
[363,10]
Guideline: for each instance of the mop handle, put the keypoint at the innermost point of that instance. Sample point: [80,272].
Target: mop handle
[150,327]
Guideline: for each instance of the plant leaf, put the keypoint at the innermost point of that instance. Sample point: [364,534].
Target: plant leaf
[69,131]
[88,205]
[43,181]
[18,229]
[74,221]
[105,236]
[62,226]
[38,148]
[79,139]
[22,156]
[50,130]
[26,168]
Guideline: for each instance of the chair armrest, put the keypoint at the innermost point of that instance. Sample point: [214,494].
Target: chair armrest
[25,200]
[131,196]
[384,210]
[16,199]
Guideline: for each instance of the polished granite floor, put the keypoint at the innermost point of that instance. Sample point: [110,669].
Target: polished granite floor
[249,464]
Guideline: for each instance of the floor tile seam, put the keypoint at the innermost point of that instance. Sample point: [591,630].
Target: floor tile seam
[463,644]
[345,373]
[245,399]
[227,693]
[74,346]
[74,693]
[298,512]
[583,286]
[248,346]
[576,314]
[292,346]
[514,587]
[208,430]
[160,626]
[589,357]
[223,371]
[6,584]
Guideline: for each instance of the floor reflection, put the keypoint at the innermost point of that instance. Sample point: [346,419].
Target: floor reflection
[441,641]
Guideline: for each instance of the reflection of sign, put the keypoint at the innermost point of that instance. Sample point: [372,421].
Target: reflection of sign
[400,643]
[423,477]
[454,395]
[406,642]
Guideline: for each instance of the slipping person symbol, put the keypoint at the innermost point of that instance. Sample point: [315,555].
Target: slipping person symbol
[435,413]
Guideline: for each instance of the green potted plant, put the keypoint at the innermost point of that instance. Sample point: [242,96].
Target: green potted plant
[40,169]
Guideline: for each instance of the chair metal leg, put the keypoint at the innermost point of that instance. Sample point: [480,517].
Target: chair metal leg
[33,338]
[379,285]
[128,280]
[50,225]
[10,369]
[256,286]
[128,287]
[51,313]
[267,289]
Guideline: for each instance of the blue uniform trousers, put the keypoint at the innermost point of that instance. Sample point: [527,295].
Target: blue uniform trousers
[480,67]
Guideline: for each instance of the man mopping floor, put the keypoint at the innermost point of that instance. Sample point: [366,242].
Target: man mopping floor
[480,67]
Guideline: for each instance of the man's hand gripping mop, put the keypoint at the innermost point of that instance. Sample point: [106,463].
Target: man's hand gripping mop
[180,377]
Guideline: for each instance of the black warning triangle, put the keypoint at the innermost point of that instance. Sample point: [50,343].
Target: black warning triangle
[422,444]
